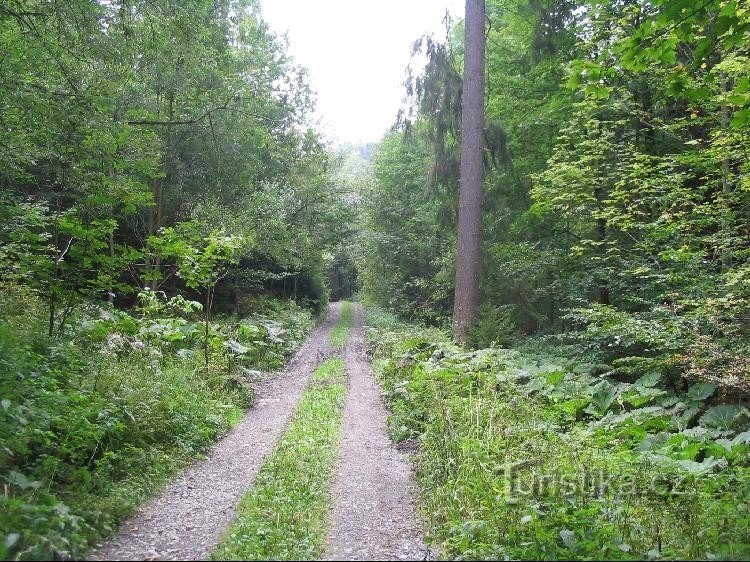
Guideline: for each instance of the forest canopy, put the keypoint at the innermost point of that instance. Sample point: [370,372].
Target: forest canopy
[616,202]
[121,119]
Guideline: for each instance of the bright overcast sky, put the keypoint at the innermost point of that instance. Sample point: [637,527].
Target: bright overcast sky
[356,52]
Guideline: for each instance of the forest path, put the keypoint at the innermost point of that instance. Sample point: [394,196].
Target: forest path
[187,519]
[373,511]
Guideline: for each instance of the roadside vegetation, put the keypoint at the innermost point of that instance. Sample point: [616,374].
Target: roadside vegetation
[93,423]
[284,516]
[599,406]
[144,146]
[524,455]
[172,224]
[616,195]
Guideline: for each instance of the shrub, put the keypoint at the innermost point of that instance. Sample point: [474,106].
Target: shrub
[92,424]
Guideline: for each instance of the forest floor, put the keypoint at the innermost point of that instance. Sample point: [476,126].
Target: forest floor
[371,509]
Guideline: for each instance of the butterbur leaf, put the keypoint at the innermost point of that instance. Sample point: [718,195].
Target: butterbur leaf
[740,439]
[723,416]
[649,379]
[555,377]
[653,442]
[568,537]
[701,391]
[21,481]
[236,347]
[698,467]
[699,433]
[603,396]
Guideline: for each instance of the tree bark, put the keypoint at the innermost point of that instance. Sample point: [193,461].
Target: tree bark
[726,188]
[468,255]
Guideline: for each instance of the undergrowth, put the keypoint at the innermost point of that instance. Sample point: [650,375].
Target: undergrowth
[94,421]
[341,331]
[530,456]
[284,515]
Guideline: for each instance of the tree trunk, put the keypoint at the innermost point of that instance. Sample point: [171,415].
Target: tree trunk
[726,188]
[468,255]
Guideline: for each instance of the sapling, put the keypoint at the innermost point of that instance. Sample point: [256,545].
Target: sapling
[201,261]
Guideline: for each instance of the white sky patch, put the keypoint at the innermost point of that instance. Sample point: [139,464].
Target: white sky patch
[357,52]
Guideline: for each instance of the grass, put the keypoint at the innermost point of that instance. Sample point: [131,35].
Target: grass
[341,331]
[522,470]
[284,515]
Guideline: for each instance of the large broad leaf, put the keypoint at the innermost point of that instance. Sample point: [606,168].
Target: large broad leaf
[701,391]
[648,380]
[700,433]
[639,396]
[640,415]
[554,377]
[568,537]
[654,441]
[21,481]
[236,347]
[601,399]
[723,416]
[740,119]
[740,439]
[705,465]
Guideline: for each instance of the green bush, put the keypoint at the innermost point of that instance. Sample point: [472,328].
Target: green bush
[495,327]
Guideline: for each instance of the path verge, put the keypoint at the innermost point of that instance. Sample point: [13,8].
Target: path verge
[186,520]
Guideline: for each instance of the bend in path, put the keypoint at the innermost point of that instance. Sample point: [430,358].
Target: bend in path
[187,519]
[374,517]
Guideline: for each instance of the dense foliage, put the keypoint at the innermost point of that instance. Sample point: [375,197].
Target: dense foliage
[160,179]
[171,224]
[527,455]
[616,201]
[123,119]
[92,424]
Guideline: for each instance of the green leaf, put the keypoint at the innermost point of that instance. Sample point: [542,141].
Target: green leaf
[649,379]
[740,119]
[568,537]
[740,439]
[698,467]
[723,416]
[603,396]
[21,481]
[236,347]
[701,391]
[555,377]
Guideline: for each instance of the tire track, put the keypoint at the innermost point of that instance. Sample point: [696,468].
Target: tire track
[373,512]
[187,519]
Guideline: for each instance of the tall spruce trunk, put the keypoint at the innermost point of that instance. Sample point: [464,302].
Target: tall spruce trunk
[468,255]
